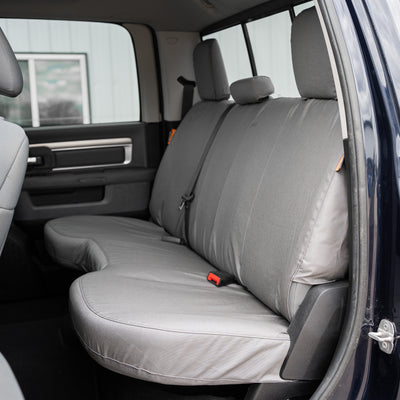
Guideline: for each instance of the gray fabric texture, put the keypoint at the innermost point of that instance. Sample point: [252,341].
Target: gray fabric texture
[311,64]
[269,208]
[209,69]
[298,292]
[10,389]
[266,193]
[13,160]
[174,173]
[91,243]
[160,320]
[201,335]
[11,81]
[179,163]
[252,90]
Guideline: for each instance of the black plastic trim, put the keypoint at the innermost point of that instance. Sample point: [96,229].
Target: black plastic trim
[249,50]
[280,390]
[145,138]
[314,331]
[87,179]
[292,14]
[260,11]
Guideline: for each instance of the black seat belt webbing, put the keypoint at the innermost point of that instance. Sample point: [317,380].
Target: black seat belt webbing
[188,197]
[188,91]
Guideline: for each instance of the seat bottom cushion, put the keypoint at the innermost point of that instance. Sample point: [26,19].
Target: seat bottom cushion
[147,310]
[159,319]
[91,243]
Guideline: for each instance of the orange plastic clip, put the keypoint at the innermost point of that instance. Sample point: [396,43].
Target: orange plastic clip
[340,164]
[171,135]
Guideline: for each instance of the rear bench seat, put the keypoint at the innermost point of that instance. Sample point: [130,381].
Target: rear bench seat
[269,209]
[82,242]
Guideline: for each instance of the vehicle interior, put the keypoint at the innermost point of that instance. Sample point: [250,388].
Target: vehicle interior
[180,227]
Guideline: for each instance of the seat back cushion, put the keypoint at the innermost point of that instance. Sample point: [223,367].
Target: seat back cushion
[13,141]
[184,152]
[13,159]
[270,208]
[11,81]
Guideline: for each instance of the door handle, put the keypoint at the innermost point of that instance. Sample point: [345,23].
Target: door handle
[35,160]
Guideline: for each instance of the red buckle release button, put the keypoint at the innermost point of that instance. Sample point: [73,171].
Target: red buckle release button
[214,279]
[220,278]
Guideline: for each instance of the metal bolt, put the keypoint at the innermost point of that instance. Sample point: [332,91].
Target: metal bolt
[385,327]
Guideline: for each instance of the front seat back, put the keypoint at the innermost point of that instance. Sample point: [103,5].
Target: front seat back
[13,141]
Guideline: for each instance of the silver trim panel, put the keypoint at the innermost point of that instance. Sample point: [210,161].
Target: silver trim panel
[126,143]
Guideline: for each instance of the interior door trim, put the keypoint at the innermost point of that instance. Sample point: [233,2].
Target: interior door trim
[126,143]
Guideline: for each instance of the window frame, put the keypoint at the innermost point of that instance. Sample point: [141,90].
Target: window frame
[31,58]
[260,12]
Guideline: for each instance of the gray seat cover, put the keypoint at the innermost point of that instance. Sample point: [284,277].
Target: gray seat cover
[270,209]
[13,141]
[178,164]
[173,176]
[9,387]
[13,160]
[11,82]
[91,243]
[160,320]
[184,152]
[252,90]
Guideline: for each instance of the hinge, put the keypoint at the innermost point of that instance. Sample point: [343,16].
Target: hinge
[385,336]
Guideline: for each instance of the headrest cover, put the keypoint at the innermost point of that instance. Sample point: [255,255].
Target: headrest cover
[311,64]
[252,90]
[10,74]
[209,69]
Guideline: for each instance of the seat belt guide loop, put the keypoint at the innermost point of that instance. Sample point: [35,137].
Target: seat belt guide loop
[186,82]
[186,200]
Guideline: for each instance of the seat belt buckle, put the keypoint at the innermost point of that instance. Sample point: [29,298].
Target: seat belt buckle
[172,239]
[219,278]
[185,201]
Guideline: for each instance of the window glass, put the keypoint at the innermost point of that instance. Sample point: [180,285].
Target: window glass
[74,73]
[19,109]
[59,92]
[270,40]
[234,52]
[298,9]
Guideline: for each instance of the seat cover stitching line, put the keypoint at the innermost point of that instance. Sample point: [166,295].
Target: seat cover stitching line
[156,373]
[84,296]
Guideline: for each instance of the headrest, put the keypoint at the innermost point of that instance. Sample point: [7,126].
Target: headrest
[252,90]
[311,64]
[10,74]
[209,69]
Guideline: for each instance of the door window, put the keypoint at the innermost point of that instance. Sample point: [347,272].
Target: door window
[74,73]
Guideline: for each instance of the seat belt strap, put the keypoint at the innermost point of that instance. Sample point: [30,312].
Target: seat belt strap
[188,196]
[188,91]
